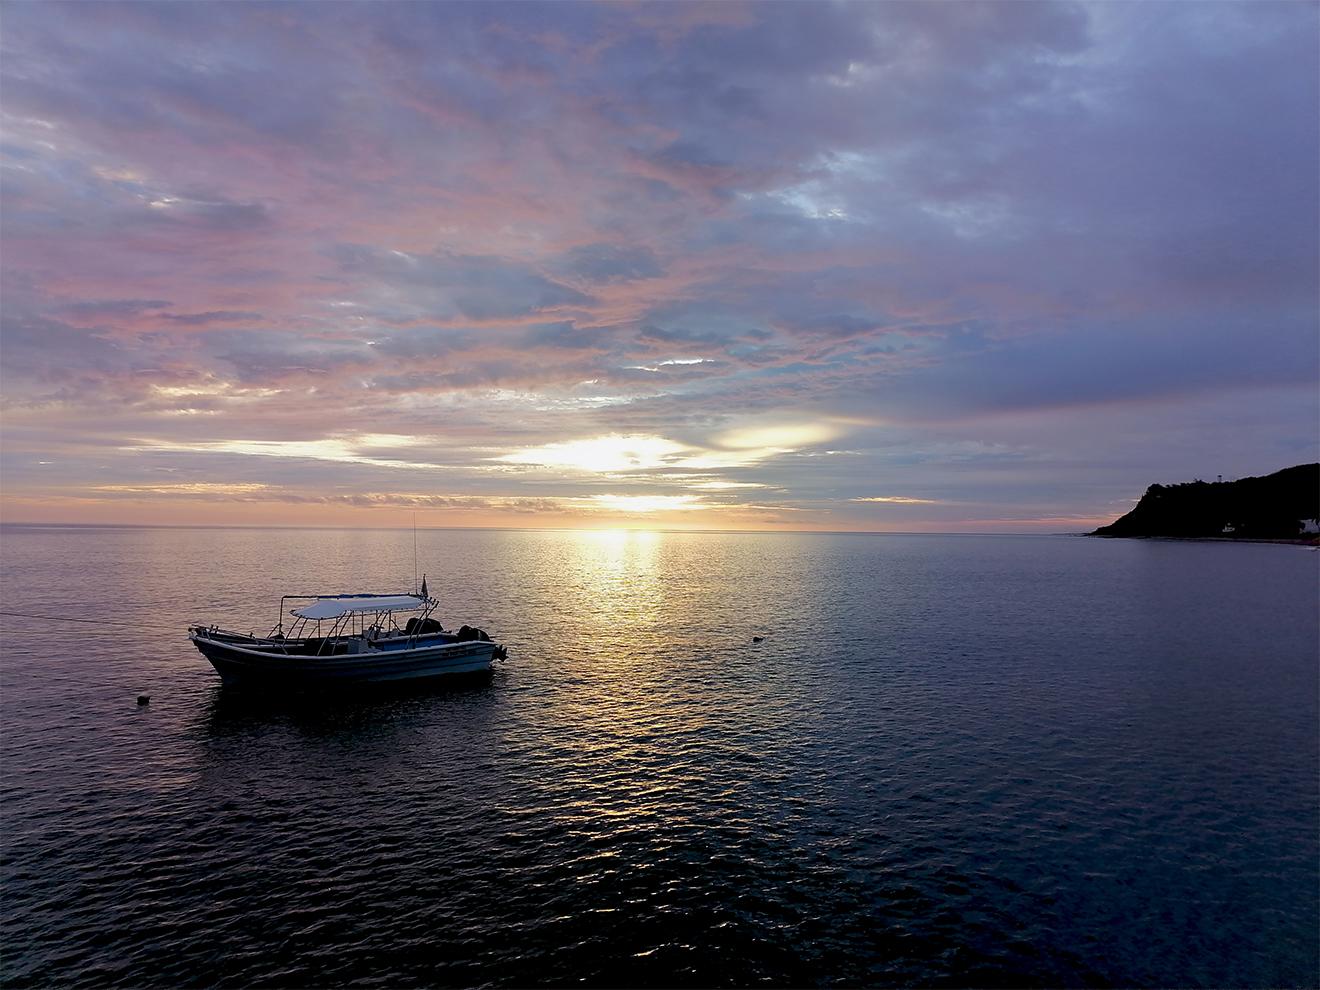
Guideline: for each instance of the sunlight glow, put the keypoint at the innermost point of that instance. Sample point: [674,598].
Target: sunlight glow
[184,488]
[601,454]
[789,436]
[214,388]
[649,503]
[343,449]
[641,452]
[897,500]
[725,486]
[387,440]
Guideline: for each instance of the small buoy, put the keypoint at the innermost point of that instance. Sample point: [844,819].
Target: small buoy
[757,639]
[143,699]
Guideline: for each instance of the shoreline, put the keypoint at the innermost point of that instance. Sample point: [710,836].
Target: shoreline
[1311,541]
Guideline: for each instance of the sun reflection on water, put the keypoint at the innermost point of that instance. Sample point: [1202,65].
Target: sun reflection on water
[618,575]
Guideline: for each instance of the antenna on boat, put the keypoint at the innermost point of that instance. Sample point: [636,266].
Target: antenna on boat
[414,551]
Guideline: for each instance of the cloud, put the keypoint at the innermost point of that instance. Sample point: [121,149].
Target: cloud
[112,309]
[602,454]
[616,453]
[214,214]
[985,230]
[649,503]
[444,286]
[213,316]
[259,356]
[354,448]
[51,350]
[896,500]
[610,263]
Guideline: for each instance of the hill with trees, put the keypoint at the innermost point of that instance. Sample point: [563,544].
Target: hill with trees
[1274,507]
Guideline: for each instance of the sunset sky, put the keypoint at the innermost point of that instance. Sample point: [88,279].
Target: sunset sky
[880,266]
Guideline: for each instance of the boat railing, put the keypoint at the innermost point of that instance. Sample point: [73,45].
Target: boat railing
[350,624]
[367,625]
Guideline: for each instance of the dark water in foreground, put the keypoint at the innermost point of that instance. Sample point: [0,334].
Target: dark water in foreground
[953,760]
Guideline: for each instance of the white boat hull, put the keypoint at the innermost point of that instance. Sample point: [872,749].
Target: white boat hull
[239,664]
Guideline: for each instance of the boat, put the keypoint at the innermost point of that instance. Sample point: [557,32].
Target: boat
[348,639]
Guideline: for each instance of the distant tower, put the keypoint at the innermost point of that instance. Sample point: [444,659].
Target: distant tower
[1221,479]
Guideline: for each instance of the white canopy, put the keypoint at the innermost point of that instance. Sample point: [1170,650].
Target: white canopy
[333,608]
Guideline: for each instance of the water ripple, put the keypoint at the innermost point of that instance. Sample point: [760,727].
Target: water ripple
[938,768]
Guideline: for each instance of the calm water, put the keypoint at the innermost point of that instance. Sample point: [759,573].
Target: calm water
[953,760]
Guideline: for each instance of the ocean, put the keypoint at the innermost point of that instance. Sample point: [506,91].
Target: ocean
[950,761]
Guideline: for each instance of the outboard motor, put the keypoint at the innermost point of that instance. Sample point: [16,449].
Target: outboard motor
[417,626]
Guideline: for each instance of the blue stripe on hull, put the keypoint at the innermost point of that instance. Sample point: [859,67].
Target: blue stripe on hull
[236,664]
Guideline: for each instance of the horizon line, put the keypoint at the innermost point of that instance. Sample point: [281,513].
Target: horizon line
[531,529]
